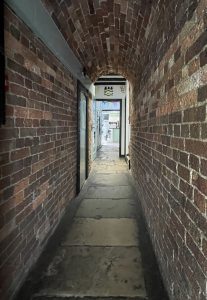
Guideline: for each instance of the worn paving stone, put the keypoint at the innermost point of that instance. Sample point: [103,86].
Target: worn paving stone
[109,179]
[110,171]
[112,192]
[86,298]
[107,208]
[94,272]
[103,232]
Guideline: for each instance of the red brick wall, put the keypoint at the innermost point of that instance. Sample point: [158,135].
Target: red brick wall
[169,152]
[106,36]
[37,151]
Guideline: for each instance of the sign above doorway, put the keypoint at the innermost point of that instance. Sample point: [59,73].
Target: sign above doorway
[108,91]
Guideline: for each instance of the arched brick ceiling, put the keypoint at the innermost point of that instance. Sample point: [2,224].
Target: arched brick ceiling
[123,37]
[106,35]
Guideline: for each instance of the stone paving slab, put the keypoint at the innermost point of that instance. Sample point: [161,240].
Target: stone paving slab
[107,208]
[112,192]
[94,271]
[103,232]
[106,171]
[109,179]
[85,298]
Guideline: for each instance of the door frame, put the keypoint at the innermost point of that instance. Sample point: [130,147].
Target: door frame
[81,88]
[120,118]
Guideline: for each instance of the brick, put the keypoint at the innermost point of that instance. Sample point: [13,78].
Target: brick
[12,168]
[204,247]
[18,90]
[15,77]
[194,214]
[196,47]
[15,100]
[194,162]
[4,158]
[195,114]
[204,131]
[20,175]
[16,67]
[8,133]
[202,93]
[25,41]
[193,66]
[177,143]
[177,130]
[19,154]
[4,182]
[7,193]
[200,201]
[204,167]
[175,117]
[186,188]
[183,159]
[184,173]
[185,130]
[15,32]
[196,147]
[35,114]
[171,164]
[177,54]
[203,58]
[19,58]
[195,131]
[201,184]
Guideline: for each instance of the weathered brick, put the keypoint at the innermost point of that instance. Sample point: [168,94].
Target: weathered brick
[196,147]
[175,117]
[194,162]
[200,201]
[195,114]
[196,47]
[12,168]
[183,159]
[185,130]
[202,93]
[204,167]
[195,131]
[204,131]
[186,188]
[184,173]
[201,184]
[19,154]
[15,32]
[20,175]
[203,58]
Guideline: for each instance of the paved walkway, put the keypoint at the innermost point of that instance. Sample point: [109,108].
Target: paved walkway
[99,256]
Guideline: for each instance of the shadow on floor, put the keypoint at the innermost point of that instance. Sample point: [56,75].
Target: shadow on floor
[153,280]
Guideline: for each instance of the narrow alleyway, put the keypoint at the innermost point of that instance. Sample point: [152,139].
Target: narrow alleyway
[66,64]
[99,255]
